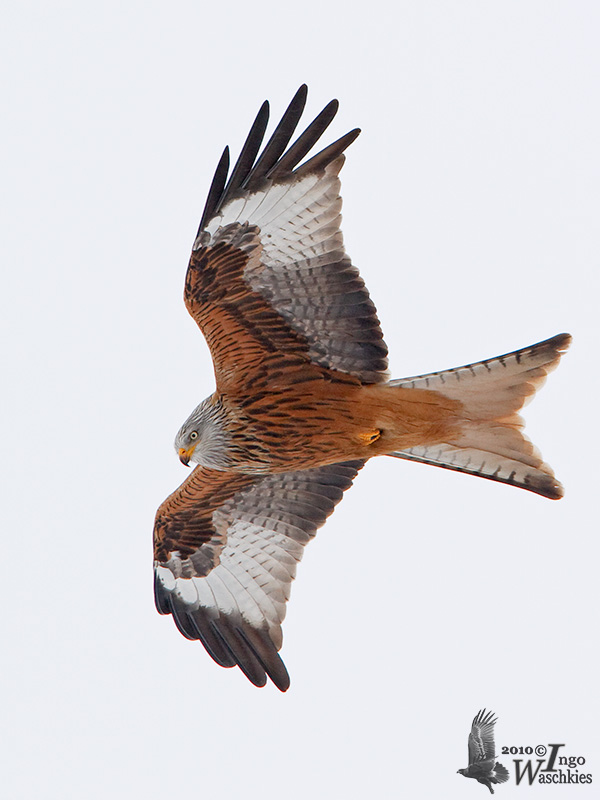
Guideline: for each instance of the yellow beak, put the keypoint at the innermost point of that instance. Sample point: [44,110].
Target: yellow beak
[185,455]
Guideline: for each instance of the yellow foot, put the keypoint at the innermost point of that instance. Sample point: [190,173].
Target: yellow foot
[368,437]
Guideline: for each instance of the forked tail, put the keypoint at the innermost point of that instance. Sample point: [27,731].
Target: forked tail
[500,774]
[489,440]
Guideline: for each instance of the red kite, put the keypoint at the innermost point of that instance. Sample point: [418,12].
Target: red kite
[303,397]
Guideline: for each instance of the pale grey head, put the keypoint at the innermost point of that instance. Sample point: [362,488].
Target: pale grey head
[202,438]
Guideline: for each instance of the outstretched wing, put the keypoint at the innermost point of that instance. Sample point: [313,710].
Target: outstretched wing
[481,738]
[226,548]
[268,272]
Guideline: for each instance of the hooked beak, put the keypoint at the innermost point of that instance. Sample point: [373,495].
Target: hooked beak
[185,455]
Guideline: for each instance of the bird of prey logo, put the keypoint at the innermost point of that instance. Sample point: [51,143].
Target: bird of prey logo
[482,754]
[303,397]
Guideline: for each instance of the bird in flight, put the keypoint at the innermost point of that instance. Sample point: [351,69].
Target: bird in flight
[482,753]
[303,397]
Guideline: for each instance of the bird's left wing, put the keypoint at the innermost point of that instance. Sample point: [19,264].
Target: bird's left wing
[226,548]
[269,275]
[481,738]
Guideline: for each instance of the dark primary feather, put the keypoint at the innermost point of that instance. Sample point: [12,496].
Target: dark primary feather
[280,138]
[274,161]
[305,142]
[249,152]
[215,193]
[329,154]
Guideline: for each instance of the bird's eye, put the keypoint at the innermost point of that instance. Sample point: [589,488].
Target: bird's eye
[193,436]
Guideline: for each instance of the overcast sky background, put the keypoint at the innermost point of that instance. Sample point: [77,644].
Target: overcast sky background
[471,208]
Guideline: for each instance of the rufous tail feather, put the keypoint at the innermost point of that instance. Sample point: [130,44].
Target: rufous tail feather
[489,440]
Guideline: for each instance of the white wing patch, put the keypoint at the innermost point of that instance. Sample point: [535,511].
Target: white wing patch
[261,207]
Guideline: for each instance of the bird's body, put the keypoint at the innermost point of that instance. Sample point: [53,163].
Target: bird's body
[303,398]
[281,411]
[325,420]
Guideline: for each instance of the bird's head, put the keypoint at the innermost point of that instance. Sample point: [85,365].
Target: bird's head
[461,771]
[201,438]
[186,442]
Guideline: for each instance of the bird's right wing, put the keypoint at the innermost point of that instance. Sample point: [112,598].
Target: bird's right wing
[481,738]
[269,275]
[226,548]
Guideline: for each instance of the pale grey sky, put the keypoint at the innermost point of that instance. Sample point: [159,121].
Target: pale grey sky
[471,207]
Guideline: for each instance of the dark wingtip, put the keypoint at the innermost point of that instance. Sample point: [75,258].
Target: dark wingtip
[216,190]
[275,161]
[160,596]
[248,153]
[305,142]
[562,341]
[329,154]
[261,644]
[279,140]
